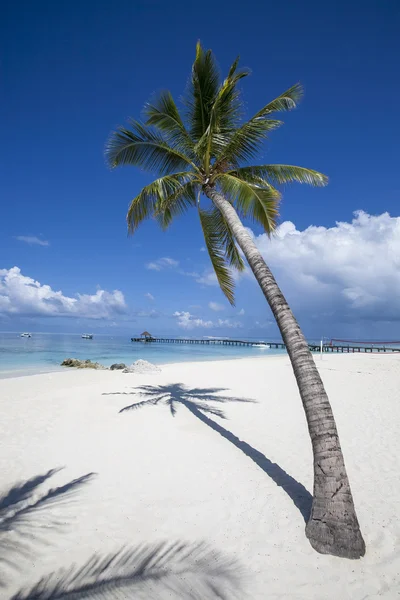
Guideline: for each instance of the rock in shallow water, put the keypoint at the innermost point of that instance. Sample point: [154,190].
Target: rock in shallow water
[81,364]
[142,366]
[118,366]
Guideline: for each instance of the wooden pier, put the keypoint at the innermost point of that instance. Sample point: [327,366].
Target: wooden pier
[275,345]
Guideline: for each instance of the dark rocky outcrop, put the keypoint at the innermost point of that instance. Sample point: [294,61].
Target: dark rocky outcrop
[118,366]
[81,364]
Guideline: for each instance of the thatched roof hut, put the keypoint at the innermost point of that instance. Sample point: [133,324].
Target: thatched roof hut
[146,334]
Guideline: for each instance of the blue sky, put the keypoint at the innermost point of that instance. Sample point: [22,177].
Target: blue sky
[73,71]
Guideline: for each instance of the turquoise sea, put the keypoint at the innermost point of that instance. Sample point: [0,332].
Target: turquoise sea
[44,352]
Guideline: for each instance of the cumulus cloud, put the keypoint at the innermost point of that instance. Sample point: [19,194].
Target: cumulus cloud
[351,269]
[202,249]
[32,240]
[215,306]
[162,263]
[188,321]
[228,323]
[208,278]
[149,296]
[21,295]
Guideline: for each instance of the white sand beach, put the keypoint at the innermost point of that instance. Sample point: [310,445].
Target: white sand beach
[194,476]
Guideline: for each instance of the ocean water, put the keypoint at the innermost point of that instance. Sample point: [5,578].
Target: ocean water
[44,352]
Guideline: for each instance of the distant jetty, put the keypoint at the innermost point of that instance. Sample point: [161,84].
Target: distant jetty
[276,345]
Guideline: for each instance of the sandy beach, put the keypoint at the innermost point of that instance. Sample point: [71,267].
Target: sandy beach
[182,472]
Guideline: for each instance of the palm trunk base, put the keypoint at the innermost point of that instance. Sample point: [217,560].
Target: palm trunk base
[336,537]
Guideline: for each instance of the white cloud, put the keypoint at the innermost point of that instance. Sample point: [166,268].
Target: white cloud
[215,306]
[202,249]
[188,273]
[149,296]
[188,321]
[162,263]
[241,312]
[228,323]
[208,278]
[350,270]
[21,295]
[32,240]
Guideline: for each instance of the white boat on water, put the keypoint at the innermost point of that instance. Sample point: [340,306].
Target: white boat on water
[26,335]
[87,336]
[261,346]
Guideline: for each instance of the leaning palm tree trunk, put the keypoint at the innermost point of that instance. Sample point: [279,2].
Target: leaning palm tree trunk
[333,526]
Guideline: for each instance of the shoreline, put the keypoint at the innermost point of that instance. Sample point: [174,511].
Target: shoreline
[59,369]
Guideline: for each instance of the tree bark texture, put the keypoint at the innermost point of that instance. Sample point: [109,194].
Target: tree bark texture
[333,526]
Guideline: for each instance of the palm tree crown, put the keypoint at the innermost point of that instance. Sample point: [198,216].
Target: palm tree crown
[209,146]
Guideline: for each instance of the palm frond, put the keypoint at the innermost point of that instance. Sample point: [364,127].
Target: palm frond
[223,230]
[279,174]
[177,203]
[179,570]
[247,139]
[216,252]
[224,116]
[154,196]
[286,101]
[245,142]
[254,199]
[142,147]
[202,90]
[227,107]
[163,114]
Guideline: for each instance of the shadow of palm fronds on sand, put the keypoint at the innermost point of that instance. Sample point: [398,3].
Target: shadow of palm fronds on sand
[197,400]
[153,572]
[25,515]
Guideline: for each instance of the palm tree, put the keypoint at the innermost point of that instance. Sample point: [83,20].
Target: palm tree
[207,152]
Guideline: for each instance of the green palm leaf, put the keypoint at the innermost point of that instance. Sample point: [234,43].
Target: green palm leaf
[279,174]
[223,118]
[216,251]
[153,197]
[203,88]
[144,148]
[163,114]
[223,230]
[176,203]
[286,101]
[246,141]
[254,199]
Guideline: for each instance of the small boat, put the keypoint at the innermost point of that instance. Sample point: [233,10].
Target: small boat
[26,335]
[261,346]
[87,336]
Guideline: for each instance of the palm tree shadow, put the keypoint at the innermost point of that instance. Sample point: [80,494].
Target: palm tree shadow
[24,518]
[152,571]
[164,570]
[195,400]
